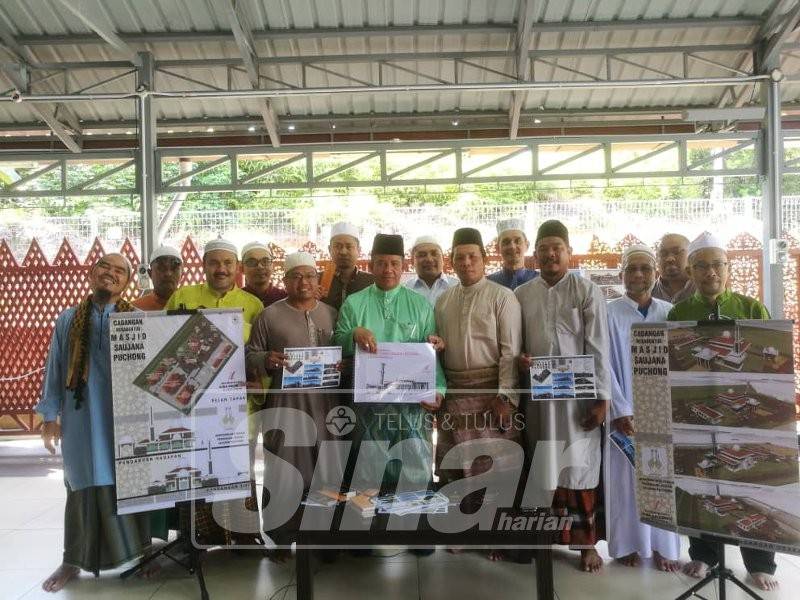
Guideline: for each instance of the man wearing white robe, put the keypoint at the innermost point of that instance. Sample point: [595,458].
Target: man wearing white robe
[564,314]
[629,540]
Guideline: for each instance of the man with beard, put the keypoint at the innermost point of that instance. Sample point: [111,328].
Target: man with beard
[257,262]
[298,321]
[166,266]
[628,539]
[512,243]
[221,525]
[345,279]
[428,262]
[708,268]
[673,284]
[220,265]
[389,312]
[76,409]
[564,314]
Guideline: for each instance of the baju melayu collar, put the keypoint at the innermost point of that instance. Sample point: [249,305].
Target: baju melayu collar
[513,278]
[431,293]
[731,306]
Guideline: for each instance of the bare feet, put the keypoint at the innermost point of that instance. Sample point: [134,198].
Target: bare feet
[665,564]
[764,581]
[631,560]
[695,568]
[60,577]
[591,561]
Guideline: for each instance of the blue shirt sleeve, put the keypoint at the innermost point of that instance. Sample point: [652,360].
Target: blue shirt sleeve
[54,385]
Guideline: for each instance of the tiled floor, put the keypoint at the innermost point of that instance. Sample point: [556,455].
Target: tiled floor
[31,513]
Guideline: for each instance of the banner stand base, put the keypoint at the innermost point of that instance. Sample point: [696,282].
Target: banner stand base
[722,575]
[193,556]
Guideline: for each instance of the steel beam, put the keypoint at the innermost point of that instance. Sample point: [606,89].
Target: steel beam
[237,17]
[89,14]
[171,37]
[772,165]
[775,41]
[147,171]
[20,79]
[526,16]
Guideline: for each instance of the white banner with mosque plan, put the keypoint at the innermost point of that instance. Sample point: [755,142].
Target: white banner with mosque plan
[180,408]
[716,446]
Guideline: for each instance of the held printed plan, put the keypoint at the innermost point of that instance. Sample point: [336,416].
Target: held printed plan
[180,411]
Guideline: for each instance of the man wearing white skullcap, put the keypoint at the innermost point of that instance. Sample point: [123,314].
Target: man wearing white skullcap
[709,269]
[512,243]
[345,278]
[220,265]
[166,267]
[428,259]
[297,321]
[257,261]
[629,541]
[75,406]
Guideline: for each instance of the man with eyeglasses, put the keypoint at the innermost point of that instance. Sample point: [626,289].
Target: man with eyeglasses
[629,541]
[673,283]
[166,267]
[76,411]
[257,260]
[345,278]
[297,321]
[708,268]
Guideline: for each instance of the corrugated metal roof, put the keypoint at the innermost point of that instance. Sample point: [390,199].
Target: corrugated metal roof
[38,18]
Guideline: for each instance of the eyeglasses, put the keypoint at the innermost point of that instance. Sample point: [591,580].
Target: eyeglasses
[717,265]
[257,262]
[643,269]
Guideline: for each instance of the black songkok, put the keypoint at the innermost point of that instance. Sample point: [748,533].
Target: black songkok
[386,243]
[553,228]
[468,235]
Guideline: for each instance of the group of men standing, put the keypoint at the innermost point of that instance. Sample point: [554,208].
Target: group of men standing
[485,330]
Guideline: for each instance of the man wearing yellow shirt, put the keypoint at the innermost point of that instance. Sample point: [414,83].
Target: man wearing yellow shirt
[220,265]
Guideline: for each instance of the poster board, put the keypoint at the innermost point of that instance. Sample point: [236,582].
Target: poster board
[312,368]
[716,430]
[399,373]
[179,408]
[563,378]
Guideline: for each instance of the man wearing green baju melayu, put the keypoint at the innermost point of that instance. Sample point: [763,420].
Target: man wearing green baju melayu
[389,312]
[708,268]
